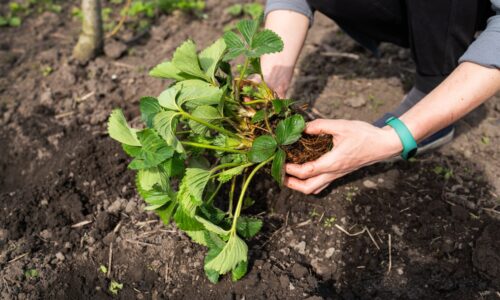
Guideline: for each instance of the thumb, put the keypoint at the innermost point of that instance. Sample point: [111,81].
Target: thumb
[325,126]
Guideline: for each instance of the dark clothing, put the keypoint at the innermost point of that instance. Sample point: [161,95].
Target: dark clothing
[438,32]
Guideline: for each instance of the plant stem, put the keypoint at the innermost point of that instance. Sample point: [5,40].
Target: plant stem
[231,197]
[266,120]
[205,146]
[254,102]
[243,71]
[212,197]
[211,126]
[243,191]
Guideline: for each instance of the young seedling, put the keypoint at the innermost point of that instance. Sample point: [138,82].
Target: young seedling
[210,128]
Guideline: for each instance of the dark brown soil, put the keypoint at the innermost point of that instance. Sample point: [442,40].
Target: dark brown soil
[67,203]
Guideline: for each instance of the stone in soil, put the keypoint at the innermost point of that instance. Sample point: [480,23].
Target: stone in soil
[299,271]
[355,102]
[115,49]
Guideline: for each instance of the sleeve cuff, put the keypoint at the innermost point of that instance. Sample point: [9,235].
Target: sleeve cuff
[485,50]
[299,6]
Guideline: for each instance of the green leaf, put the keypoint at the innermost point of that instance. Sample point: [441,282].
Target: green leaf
[174,167]
[255,10]
[132,151]
[15,22]
[165,123]
[280,105]
[211,56]
[186,60]
[212,213]
[149,107]
[156,199]
[277,167]
[212,227]
[235,10]
[235,45]
[212,275]
[196,180]
[154,150]
[149,178]
[119,130]
[207,113]
[196,92]
[185,221]
[228,174]
[248,28]
[259,116]
[199,162]
[198,236]
[149,186]
[168,100]
[263,147]
[169,71]
[115,287]
[265,42]
[239,271]
[166,211]
[289,131]
[3,21]
[256,67]
[248,227]
[215,245]
[234,252]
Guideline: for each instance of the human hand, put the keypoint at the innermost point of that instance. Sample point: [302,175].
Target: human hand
[355,144]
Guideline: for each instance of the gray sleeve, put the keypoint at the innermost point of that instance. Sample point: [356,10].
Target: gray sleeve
[485,50]
[300,6]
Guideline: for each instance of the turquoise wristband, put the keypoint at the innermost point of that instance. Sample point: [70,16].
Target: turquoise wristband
[409,143]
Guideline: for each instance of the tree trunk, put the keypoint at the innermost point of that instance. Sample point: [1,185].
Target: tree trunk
[91,39]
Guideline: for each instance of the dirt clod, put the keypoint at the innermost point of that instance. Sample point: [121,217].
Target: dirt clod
[299,271]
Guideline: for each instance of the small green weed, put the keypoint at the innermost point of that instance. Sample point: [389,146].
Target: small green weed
[328,222]
[31,273]
[115,287]
[445,172]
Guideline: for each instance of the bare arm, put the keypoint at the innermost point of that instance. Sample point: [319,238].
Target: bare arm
[465,89]
[358,144]
[278,68]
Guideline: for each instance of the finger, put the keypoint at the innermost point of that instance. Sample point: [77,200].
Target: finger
[326,126]
[309,185]
[321,189]
[310,169]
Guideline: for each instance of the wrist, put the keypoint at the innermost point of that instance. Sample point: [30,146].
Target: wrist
[393,143]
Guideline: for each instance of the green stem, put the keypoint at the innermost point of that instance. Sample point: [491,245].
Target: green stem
[243,71]
[205,146]
[212,197]
[243,191]
[231,197]
[266,120]
[254,102]
[183,131]
[211,126]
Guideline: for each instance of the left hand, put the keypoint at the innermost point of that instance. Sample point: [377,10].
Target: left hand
[355,144]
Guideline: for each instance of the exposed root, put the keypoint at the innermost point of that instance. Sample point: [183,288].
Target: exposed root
[308,148]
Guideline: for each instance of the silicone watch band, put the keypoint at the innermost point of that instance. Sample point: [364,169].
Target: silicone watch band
[409,144]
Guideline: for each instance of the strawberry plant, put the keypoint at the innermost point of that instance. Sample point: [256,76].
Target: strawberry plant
[211,128]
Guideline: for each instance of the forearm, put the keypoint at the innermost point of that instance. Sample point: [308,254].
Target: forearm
[465,89]
[278,68]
